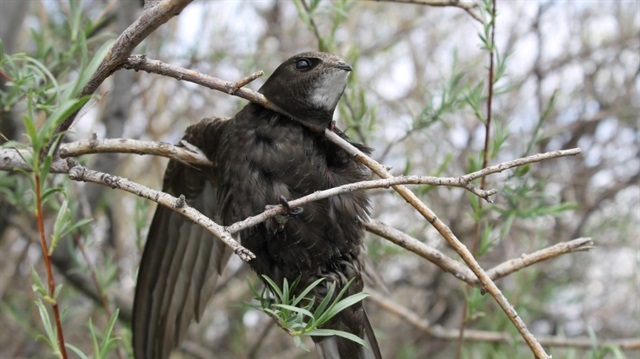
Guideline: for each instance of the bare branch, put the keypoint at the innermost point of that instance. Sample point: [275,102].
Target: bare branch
[506,268]
[188,154]
[448,235]
[472,8]
[12,159]
[463,273]
[80,173]
[440,332]
[245,81]
[151,19]
[431,254]
[142,63]
[521,162]
[358,186]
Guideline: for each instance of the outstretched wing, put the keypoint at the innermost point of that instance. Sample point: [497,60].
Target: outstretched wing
[181,261]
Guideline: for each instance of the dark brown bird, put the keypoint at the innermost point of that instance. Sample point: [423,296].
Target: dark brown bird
[259,157]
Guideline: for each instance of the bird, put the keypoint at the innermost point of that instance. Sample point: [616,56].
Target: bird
[262,157]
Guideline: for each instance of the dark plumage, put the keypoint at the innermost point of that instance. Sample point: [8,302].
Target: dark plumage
[259,157]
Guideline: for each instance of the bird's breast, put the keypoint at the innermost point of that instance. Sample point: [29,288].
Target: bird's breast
[267,160]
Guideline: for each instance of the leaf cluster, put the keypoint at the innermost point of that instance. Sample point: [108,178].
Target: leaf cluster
[297,312]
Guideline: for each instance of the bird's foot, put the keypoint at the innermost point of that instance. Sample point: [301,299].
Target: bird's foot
[290,212]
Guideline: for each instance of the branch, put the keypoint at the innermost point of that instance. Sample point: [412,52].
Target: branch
[448,235]
[472,8]
[350,187]
[142,63]
[12,159]
[439,332]
[521,162]
[80,173]
[463,273]
[187,154]
[151,19]
[513,265]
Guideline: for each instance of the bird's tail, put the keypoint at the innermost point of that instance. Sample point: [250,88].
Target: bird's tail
[335,347]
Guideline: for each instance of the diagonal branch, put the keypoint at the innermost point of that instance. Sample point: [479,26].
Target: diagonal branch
[151,19]
[82,174]
[451,238]
[143,63]
[463,273]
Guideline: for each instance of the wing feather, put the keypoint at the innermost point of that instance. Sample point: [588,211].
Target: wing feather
[182,261]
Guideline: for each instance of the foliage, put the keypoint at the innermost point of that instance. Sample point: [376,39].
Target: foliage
[298,314]
[48,100]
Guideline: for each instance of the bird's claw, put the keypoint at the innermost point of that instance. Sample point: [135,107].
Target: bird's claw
[290,212]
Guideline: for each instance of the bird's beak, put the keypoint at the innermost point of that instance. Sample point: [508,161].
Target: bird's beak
[344,66]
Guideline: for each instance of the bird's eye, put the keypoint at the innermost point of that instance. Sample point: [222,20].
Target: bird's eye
[303,64]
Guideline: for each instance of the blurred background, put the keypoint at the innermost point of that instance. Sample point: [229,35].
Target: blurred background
[567,75]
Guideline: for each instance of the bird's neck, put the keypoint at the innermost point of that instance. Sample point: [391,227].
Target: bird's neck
[315,120]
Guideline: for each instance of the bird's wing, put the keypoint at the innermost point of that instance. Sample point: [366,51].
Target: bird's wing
[182,261]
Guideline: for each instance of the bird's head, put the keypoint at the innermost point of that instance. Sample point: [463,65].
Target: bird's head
[307,87]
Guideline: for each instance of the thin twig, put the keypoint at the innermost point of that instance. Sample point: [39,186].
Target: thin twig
[470,7]
[463,273]
[142,63]
[244,81]
[46,254]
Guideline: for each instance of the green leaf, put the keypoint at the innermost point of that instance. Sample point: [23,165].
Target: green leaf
[340,333]
[93,65]
[295,309]
[107,341]
[274,287]
[52,335]
[38,285]
[306,291]
[77,351]
[324,305]
[94,340]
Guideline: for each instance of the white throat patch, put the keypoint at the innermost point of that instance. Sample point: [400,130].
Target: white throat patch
[329,89]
